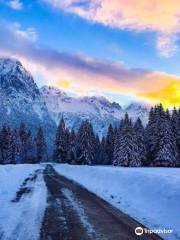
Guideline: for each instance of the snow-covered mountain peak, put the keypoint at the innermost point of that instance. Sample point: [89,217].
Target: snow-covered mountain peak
[53,91]
[20,99]
[98,110]
[15,78]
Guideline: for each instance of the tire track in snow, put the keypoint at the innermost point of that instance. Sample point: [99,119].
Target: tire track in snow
[78,207]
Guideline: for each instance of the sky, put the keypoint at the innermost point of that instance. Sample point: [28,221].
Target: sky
[125,50]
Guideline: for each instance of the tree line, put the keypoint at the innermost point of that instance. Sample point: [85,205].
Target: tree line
[19,146]
[129,144]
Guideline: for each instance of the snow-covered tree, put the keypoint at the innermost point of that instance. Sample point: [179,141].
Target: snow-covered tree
[85,144]
[97,146]
[152,133]
[139,132]
[175,121]
[23,134]
[102,152]
[4,145]
[30,149]
[109,146]
[71,154]
[126,149]
[61,143]
[167,153]
[17,145]
[41,148]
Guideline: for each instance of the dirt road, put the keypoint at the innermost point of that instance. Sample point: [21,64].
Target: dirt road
[73,213]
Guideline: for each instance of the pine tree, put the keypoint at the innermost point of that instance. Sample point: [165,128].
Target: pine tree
[61,144]
[1,147]
[109,146]
[152,130]
[102,152]
[175,121]
[126,149]
[140,137]
[10,156]
[16,146]
[41,148]
[4,144]
[85,144]
[71,155]
[30,149]
[166,155]
[97,146]
[23,134]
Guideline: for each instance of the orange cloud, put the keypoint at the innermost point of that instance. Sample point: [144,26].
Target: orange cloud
[169,96]
[153,87]
[81,74]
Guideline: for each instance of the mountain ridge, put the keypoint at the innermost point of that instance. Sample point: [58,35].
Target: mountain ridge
[97,109]
[22,100]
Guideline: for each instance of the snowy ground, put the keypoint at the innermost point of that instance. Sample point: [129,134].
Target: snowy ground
[22,217]
[150,195]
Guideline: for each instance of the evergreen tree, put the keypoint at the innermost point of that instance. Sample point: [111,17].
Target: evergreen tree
[139,132]
[10,156]
[175,122]
[71,155]
[152,133]
[23,134]
[109,146]
[126,149]
[97,146]
[102,152]
[61,144]
[4,145]
[30,149]
[166,155]
[1,147]
[85,144]
[41,148]
[16,146]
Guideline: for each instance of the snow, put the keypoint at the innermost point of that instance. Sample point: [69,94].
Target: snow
[21,220]
[78,207]
[150,195]
[58,101]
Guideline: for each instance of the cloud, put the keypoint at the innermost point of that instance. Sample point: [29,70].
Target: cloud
[14,4]
[167,45]
[136,15]
[80,74]
[168,95]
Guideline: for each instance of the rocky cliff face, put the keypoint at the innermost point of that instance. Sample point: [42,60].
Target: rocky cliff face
[20,99]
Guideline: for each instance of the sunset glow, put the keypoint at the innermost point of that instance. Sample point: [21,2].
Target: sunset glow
[119,49]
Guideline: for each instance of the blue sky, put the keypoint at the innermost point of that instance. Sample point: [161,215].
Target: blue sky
[61,28]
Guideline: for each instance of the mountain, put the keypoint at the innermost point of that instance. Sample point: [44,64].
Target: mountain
[20,99]
[98,110]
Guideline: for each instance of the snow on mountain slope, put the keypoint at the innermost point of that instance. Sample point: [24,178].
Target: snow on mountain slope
[98,110]
[20,99]
[150,195]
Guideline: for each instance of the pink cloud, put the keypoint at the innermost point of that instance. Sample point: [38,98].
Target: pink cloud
[162,17]
[79,74]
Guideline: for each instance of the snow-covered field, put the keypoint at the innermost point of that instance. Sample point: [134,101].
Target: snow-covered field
[150,195]
[19,220]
